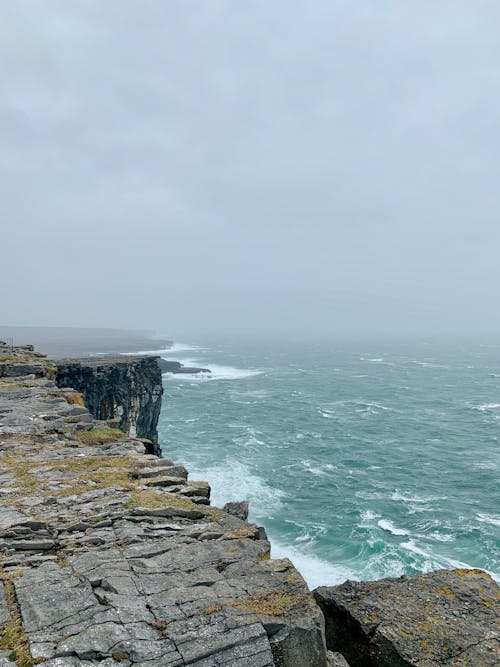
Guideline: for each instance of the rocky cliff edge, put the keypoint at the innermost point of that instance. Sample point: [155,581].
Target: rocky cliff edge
[112,555]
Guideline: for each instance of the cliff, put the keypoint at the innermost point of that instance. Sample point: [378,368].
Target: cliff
[110,554]
[126,389]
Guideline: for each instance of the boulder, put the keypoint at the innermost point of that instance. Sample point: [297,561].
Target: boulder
[448,616]
[238,509]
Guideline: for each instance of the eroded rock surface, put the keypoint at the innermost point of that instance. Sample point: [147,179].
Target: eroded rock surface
[128,389]
[111,555]
[447,617]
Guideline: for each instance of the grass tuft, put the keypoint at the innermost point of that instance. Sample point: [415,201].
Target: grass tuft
[98,436]
[150,499]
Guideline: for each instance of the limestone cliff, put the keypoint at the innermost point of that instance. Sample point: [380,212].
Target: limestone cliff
[127,389]
[111,555]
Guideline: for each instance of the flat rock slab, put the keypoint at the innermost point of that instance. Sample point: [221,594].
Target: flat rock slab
[114,557]
[446,617]
[4,607]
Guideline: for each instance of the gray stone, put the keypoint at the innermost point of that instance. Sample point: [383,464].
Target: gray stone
[448,616]
[161,586]
[336,660]
[238,509]
[4,607]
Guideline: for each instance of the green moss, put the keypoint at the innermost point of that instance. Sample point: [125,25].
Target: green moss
[94,472]
[98,436]
[150,499]
[13,637]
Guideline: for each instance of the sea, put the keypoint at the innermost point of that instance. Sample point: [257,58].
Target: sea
[362,459]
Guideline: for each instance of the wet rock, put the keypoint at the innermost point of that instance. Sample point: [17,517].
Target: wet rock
[447,616]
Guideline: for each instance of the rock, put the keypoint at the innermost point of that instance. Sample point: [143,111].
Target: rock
[176,367]
[336,660]
[125,388]
[239,509]
[4,607]
[114,556]
[448,616]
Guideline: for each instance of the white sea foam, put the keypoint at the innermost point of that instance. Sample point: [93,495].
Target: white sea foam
[391,528]
[428,364]
[442,538]
[493,519]
[434,561]
[174,349]
[233,480]
[413,498]
[316,572]
[319,470]
[487,406]
[216,373]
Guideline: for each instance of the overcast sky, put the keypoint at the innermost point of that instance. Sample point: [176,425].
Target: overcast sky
[211,166]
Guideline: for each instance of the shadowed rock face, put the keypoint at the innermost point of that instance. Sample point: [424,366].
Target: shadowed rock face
[447,617]
[127,389]
[111,555]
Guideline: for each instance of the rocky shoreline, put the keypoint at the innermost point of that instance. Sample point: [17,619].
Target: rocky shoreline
[110,554]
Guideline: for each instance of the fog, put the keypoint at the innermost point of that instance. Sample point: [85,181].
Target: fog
[251,167]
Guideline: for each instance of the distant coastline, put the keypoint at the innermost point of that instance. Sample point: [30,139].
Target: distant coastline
[60,342]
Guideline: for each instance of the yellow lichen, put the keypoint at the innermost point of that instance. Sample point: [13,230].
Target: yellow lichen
[74,398]
[268,604]
[150,499]
[13,637]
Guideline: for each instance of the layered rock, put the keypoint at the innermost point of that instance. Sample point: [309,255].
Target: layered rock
[176,367]
[110,554]
[128,389]
[449,617]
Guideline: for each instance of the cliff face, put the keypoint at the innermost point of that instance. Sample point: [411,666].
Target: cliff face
[111,555]
[127,389]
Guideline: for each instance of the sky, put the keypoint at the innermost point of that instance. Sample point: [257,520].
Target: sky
[212,166]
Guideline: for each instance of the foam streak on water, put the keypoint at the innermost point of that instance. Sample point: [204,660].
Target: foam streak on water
[360,462]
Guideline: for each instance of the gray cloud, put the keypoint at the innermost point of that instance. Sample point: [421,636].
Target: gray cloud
[201,167]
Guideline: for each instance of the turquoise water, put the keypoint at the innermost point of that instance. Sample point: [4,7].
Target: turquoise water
[361,460]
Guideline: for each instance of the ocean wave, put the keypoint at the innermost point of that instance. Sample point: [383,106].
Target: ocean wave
[435,562]
[174,349]
[486,406]
[428,364]
[414,498]
[440,537]
[492,519]
[315,570]
[318,469]
[390,527]
[217,372]
[233,480]
[330,411]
